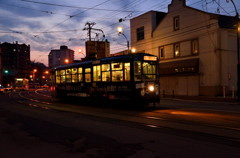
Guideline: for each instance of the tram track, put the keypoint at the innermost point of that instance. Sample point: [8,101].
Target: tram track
[156,119]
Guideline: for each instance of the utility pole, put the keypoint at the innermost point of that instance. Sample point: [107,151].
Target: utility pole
[238,53]
[89,28]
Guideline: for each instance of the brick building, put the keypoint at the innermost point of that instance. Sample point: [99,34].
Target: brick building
[59,56]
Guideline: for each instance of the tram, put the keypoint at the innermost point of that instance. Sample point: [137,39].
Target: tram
[131,78]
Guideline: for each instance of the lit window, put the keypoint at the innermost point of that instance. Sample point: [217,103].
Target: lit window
[97,73]
[68,76]
[195,49]
[176,50]
[105,72]
[176,23]
[127,71]
[74,75]
[137,71]
[117,71]
[87,74]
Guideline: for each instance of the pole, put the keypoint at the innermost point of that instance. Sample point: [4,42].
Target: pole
[127,42]
[238,62]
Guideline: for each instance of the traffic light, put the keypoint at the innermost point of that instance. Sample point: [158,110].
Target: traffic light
[6,71]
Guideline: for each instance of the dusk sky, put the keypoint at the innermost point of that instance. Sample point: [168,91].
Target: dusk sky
[48,24]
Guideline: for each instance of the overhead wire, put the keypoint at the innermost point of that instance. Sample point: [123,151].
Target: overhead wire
[49,31]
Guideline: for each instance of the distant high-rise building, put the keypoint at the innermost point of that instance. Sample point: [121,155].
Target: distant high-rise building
[60,56]
[1,70]
[15,61]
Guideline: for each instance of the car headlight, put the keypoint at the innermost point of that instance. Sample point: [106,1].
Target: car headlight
[151,88]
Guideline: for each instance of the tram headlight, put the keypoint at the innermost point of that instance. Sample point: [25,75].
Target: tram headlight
[151,88]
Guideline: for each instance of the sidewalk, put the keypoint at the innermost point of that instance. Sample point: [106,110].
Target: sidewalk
[203,98]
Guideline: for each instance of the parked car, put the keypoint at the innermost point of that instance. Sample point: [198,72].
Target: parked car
[8,89]
[2,89]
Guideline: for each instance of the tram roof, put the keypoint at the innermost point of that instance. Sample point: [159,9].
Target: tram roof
[128,57]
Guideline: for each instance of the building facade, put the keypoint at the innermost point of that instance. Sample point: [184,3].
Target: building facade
[60,56]
[1,69]
[97,49]
[15,62]
[197,50]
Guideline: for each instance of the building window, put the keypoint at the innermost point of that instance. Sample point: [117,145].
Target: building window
[195,48]
[176,23]
[140,33]
[161,52]
[176,50]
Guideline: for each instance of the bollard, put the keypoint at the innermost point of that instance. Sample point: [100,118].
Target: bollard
[163,93]
[173,93]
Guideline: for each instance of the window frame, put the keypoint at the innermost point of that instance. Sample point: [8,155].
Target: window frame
[195,47]
[106,73]
[97,72]
[161,52]
[117,74]
[175,54]
[88,74]
[176,23]
[140,33]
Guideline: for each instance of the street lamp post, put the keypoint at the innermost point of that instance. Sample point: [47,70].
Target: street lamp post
[238,60]
[34,73]
[120,31]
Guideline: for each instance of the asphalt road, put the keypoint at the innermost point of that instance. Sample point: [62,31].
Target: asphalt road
[41,128]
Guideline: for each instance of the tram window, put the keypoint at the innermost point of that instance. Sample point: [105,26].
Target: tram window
[80,75]
[117,76]
[127,71]
[57,72]
[63,79]
[149,77]
[68,75]
[80,70]
[58,79]
[117,72]
[106,76]
[137,71]
[97,73]
[62,72]
[74,75]
[116,66]
[105,67]
[105,72]
[148,68]
[68,71]
[68,78]
[88,75]
[88,70]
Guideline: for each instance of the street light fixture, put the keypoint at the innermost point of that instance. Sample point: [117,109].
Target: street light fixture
[34,71]
[133,50]
[66,61]
[120,32]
